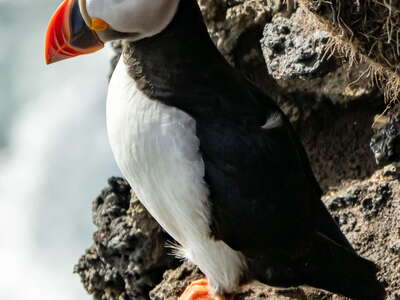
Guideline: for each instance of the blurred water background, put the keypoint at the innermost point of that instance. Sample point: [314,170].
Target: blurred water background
[54,156]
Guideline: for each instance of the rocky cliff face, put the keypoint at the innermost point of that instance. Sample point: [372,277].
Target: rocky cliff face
[129,260]
[273,44]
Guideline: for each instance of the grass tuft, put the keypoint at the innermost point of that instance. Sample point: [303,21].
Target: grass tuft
[363,31]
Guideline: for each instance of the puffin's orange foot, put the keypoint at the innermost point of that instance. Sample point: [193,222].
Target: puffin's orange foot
[198,290]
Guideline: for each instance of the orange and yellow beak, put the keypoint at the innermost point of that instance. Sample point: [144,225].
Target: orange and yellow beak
[68,35]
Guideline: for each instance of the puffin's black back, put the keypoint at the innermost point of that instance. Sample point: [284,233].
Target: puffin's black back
[264,198]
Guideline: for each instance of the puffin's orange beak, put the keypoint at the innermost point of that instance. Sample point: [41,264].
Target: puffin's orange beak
[68,35]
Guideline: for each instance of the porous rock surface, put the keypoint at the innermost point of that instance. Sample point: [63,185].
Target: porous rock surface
[128,256]
[368,213]
[296,49]
[293,51]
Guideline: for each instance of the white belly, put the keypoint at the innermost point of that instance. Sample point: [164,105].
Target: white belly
[157,150]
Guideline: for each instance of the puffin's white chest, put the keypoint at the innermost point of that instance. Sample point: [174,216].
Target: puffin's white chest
[157,150]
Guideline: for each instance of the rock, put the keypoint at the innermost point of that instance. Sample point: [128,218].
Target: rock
[297,54]
[292,51]
[392,170]
[368,213]
[305,74]
[228,20]
[385,144]
[175,281]
[337,139]
[128,257]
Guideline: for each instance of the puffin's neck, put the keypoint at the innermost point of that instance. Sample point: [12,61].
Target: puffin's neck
[176,59]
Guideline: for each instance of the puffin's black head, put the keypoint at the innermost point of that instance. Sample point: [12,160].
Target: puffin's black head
[83,26]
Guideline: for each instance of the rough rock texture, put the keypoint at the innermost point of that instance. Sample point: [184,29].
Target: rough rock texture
[368,213]
[337,140]
[292,51]
[228,20]
[331,109]
[128,256]
[296,49]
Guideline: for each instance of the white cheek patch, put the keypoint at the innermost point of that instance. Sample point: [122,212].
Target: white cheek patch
[147,17]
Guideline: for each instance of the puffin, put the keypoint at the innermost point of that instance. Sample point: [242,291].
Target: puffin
[211,157]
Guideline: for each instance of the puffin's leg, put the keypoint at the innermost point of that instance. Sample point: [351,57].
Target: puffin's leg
[198,290]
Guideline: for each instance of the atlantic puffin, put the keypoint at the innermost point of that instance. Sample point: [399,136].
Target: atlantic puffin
[211,157]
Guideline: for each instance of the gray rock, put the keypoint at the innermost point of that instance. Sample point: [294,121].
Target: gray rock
[290,51]
[369,200]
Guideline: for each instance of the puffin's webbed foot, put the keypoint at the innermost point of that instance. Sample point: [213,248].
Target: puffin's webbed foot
[198,290]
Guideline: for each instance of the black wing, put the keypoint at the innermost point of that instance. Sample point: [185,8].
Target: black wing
[259,191]
[262,189]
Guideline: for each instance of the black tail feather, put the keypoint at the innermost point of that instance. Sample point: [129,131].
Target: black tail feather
[328,227]
[325,265]
[334,268]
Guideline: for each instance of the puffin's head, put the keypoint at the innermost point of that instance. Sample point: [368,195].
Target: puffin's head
[83,26]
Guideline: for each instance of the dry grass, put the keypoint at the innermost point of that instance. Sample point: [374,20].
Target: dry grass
[363,31]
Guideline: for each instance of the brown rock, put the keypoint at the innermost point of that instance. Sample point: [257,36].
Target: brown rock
[175,281]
